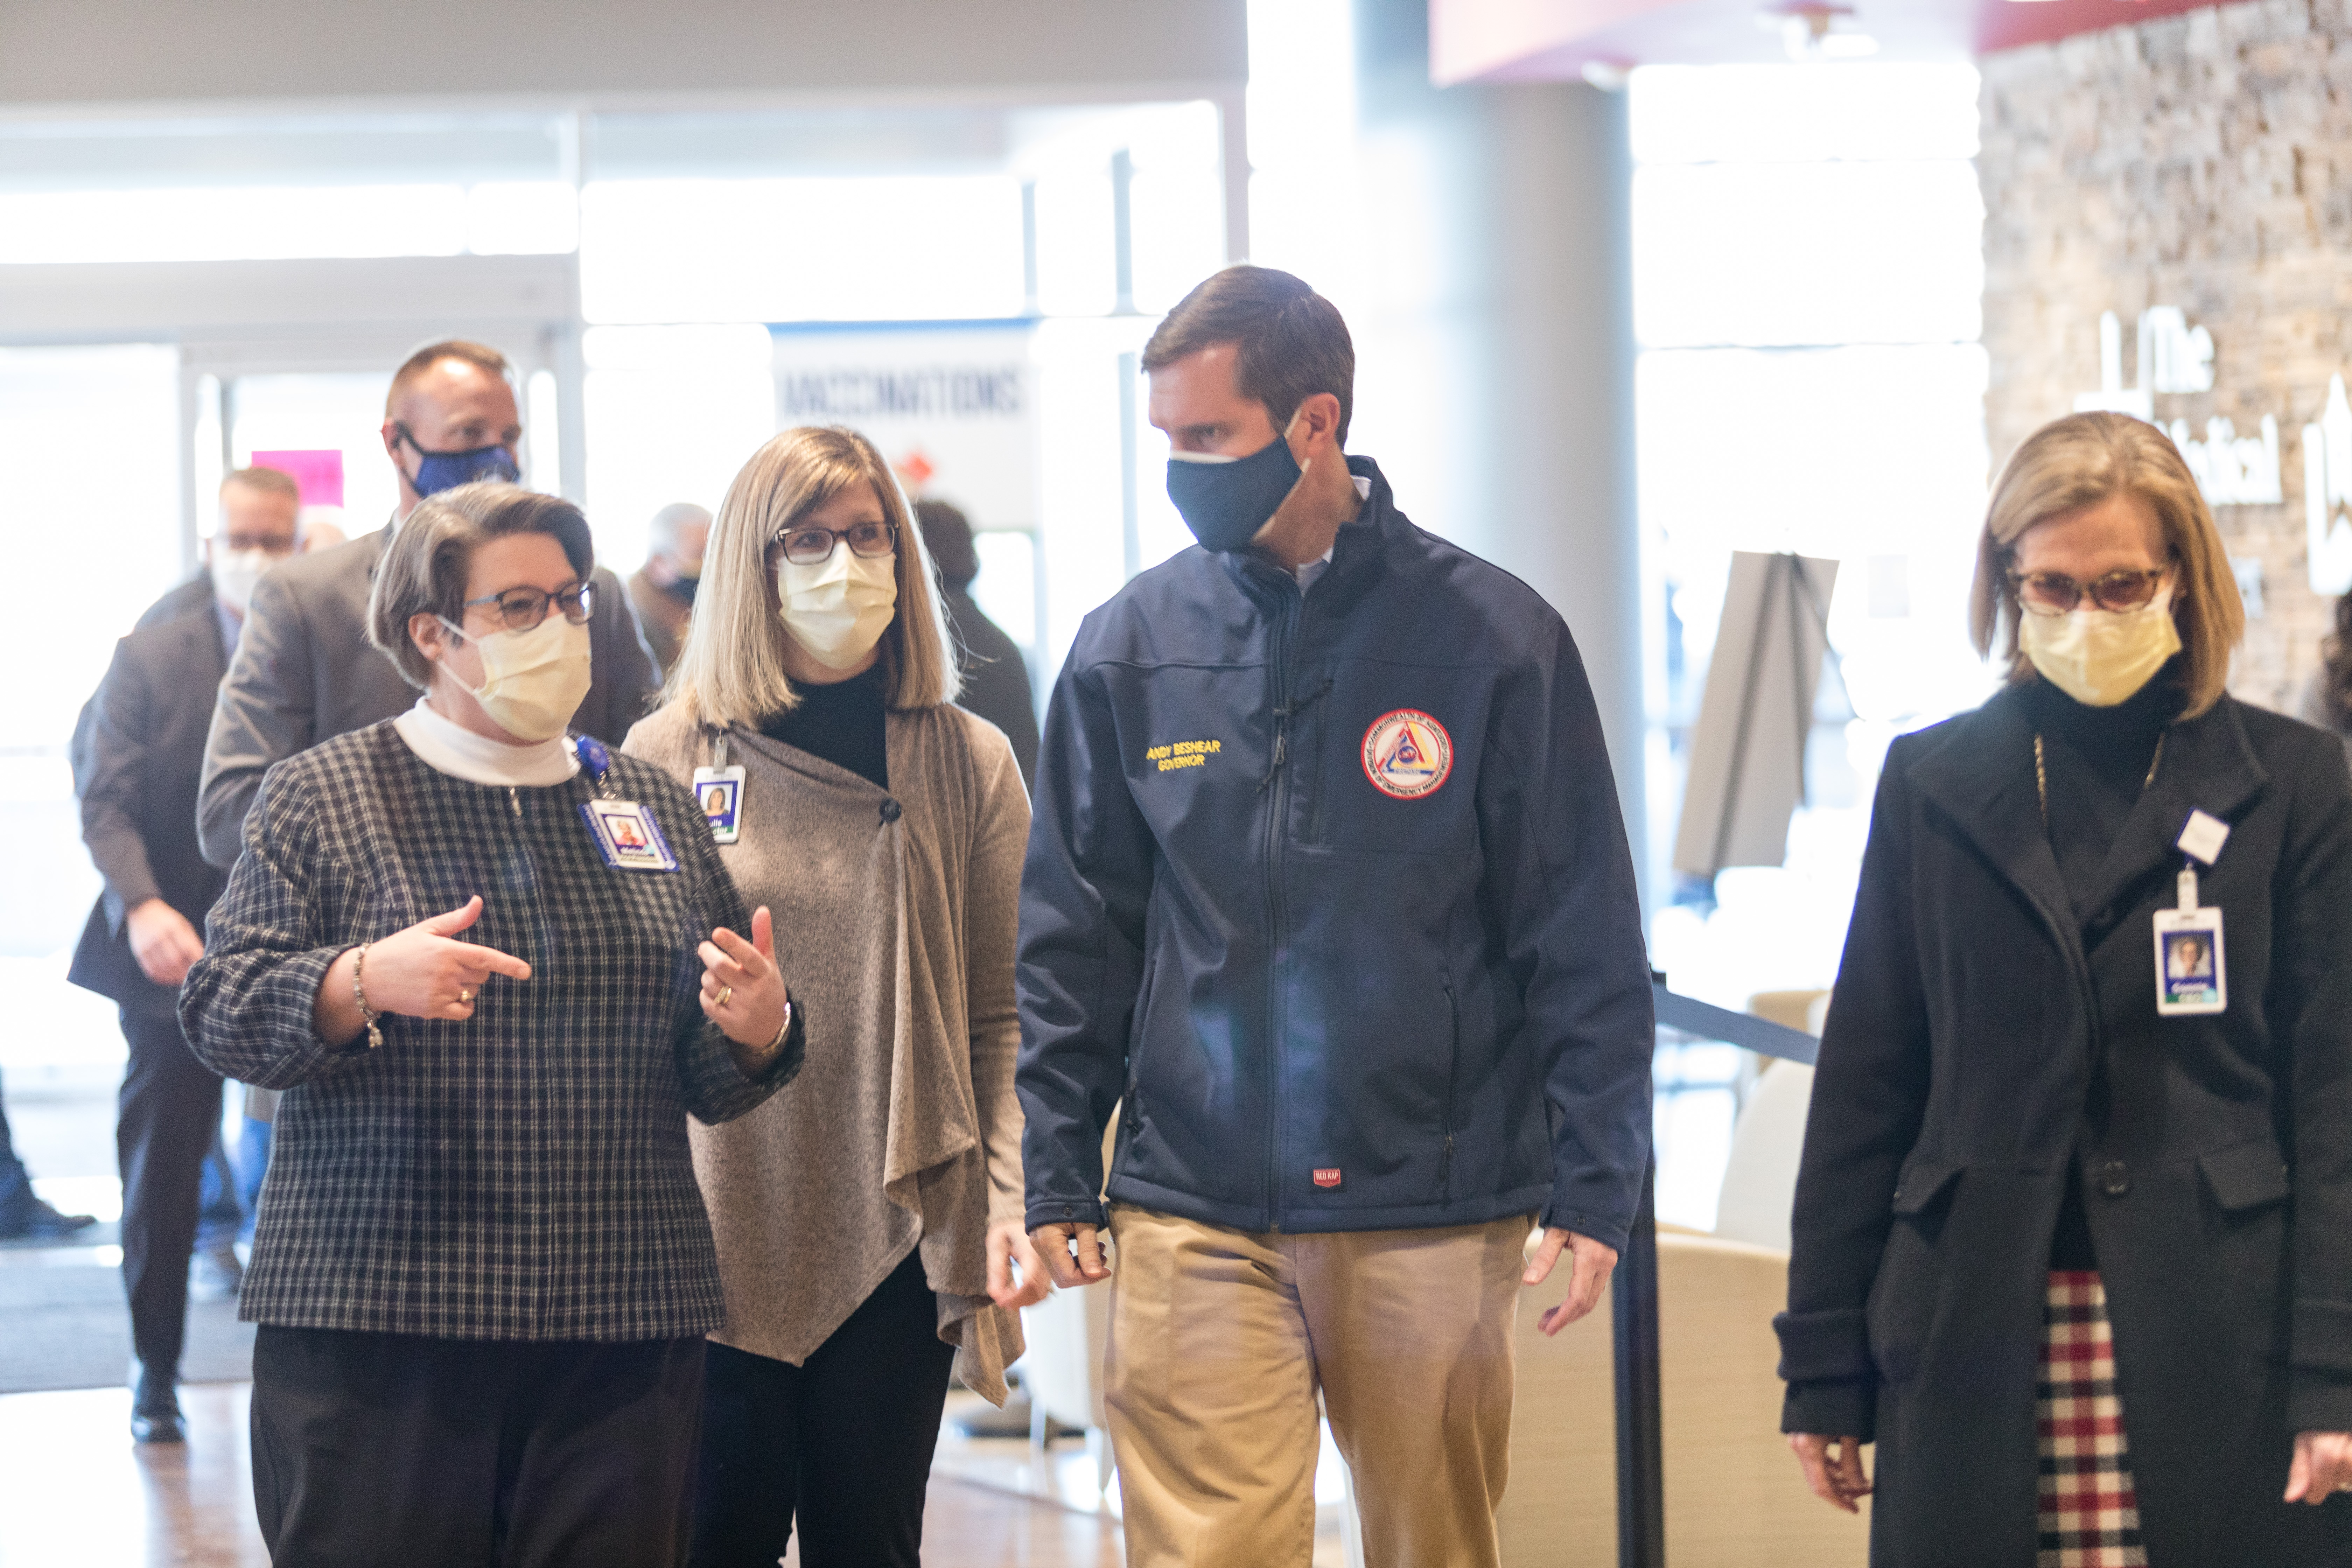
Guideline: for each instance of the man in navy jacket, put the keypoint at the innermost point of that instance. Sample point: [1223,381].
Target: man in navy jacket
[1328,894]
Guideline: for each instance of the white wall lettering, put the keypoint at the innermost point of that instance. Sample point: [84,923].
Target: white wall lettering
[2326,487]
[2231,468]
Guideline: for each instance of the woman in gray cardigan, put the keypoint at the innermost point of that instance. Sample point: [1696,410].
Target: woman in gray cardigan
[869,1225]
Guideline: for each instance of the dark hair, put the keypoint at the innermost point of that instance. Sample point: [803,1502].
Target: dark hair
[2336,668]
[947,534]
[1293,342]
[423,568]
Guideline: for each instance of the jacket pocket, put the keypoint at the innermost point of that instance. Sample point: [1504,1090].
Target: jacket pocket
[1908,1292]
[2247,1176]
[1131,1109]
[1453,1083]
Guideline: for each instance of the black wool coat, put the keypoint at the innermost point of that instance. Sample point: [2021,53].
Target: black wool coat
[1981,1037]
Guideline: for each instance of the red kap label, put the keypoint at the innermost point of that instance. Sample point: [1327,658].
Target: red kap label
[1407,755]
[1327,1175]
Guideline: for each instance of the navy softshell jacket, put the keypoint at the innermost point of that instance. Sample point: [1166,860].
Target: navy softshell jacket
[1330,894]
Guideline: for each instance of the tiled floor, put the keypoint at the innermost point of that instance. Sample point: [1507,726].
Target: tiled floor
[75,1492]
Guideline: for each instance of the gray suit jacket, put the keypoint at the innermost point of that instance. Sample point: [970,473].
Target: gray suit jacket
[136,776]
[305,672]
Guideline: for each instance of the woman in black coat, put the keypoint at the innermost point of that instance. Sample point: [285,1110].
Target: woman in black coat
[2077,1257]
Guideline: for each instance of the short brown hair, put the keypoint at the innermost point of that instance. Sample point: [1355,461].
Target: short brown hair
[2081,460]
[266,481]
[481,356]
[1293,343]
[423,568]
[731,669]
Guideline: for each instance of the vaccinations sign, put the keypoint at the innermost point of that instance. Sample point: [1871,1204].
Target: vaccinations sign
[952,407]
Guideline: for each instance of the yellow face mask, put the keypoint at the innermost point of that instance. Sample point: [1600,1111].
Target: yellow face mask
[2100,657]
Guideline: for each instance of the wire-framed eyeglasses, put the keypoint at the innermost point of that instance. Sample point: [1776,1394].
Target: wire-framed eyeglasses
[521,609]
[814,546]
[2055,593]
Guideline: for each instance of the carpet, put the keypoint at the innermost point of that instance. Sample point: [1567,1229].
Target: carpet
[63,1325]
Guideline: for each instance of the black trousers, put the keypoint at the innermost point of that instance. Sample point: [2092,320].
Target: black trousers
[394,1450]
[842,1442]
[168,1120]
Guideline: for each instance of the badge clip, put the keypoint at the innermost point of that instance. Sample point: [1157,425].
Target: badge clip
[718,790]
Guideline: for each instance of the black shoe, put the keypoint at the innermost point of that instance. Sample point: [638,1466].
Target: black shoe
[155,1408]
[36,1219]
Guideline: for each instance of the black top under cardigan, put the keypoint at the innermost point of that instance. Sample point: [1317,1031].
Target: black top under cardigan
[1979,1002]
[520,1174]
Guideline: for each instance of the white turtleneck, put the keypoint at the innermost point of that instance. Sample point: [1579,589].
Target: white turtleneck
[452,749]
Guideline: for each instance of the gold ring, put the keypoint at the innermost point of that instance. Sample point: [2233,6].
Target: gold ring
[725,993]
[466,994]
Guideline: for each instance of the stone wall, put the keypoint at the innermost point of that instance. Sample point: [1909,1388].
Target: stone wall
[2202,162]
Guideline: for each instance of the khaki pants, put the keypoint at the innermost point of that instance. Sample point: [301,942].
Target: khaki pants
[1219,1340]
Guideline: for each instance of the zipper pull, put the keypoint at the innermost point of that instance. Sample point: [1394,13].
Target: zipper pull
[1281,750]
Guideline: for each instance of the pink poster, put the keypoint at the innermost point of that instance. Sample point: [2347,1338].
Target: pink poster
[318,474]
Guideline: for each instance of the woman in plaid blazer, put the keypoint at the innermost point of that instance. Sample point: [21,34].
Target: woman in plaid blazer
[492,969]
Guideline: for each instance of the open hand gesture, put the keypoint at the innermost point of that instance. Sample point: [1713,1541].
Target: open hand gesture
[742,992]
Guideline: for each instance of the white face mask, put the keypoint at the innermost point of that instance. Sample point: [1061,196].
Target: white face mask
[2100,657]
[235,574]
[533,681]
[838,608]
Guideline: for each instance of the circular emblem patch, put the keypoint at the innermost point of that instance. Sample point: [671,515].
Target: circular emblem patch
[1407,753]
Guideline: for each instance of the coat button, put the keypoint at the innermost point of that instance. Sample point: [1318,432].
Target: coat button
[890,812]
[2114,1178]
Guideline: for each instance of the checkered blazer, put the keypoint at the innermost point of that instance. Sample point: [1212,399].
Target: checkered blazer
[520,1175]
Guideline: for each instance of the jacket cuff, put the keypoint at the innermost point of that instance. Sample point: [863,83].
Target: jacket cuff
[1064,1211]
[1608,1233]
[2322,1337]
[1845,1409]
[1825,1347]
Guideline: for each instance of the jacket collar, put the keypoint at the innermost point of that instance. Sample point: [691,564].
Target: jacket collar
[1377,528]
[1981,776]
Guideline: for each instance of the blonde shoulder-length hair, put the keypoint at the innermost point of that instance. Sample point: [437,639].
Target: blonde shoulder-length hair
[731,670]
[2079,462]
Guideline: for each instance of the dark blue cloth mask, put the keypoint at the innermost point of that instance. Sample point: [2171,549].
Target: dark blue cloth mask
[1225,503]
[438,471]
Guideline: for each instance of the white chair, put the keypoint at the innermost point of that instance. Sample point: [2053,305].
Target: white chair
[1759,1180]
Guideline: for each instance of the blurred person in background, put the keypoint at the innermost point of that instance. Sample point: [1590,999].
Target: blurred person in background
[662,590]
[995,677]
[23,1216]
[869,1223]
[136,773]
[304,672]
[2049,1184]
[495,969]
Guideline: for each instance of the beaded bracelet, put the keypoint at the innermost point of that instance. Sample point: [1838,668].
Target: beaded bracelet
[358,995]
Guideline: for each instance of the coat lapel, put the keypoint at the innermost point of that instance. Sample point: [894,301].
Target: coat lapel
[2208,765]
[1982,778]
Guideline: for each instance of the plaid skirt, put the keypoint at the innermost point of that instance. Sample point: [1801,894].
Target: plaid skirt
[2089,1505]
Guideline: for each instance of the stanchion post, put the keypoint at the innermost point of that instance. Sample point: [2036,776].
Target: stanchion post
[1640,1455]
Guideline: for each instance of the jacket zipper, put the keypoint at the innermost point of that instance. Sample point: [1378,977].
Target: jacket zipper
[1276,914]
[1452,1080]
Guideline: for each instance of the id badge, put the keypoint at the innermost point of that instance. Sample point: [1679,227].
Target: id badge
[627,836]
[2193,975]
[719,793]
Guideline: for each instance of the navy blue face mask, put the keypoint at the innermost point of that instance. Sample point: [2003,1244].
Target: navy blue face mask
[1225,500]
[438,471]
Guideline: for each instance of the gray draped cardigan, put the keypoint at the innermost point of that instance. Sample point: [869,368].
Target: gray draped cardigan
[896,914]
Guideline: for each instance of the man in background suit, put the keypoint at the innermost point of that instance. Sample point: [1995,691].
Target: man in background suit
[136,773]
[662,590]
[305,672]
[995,677]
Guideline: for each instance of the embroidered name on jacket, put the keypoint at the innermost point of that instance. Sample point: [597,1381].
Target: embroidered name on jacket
[1183,754]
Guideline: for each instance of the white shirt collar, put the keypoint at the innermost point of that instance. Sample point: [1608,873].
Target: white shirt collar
[452,749]
[1308,571]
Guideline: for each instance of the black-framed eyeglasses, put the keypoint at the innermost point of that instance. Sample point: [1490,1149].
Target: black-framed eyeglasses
[521,609]
[2055,593]
[814,546]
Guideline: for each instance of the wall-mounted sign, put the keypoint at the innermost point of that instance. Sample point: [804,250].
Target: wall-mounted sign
[952,408]
[2327,488]
[2177,359]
